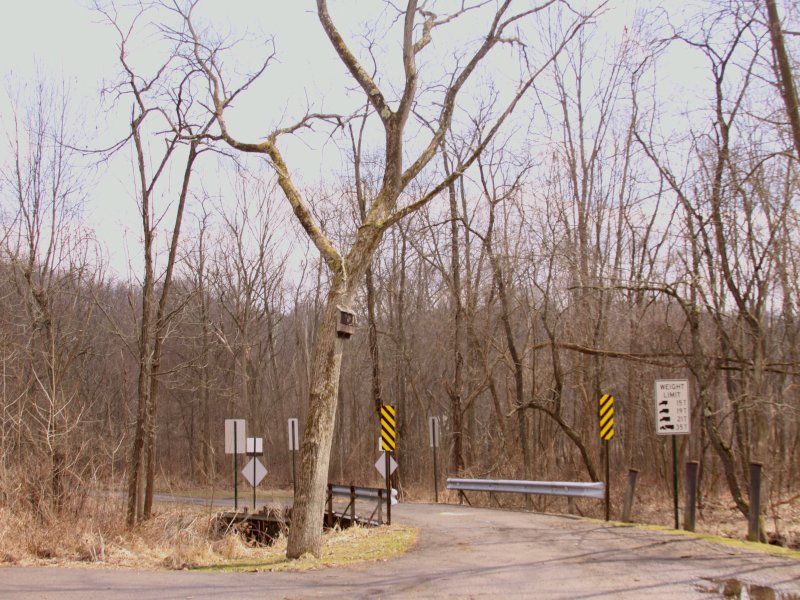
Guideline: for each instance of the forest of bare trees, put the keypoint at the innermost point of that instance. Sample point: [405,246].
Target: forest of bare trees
[527,211]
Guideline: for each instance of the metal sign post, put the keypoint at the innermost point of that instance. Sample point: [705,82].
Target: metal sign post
[433,428]
[255,448]
[606,434]
[234,444]
[235,469]
[388,444]
[294,446]
[387,466]
[672,418]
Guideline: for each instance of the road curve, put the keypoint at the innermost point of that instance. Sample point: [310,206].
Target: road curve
[463,553]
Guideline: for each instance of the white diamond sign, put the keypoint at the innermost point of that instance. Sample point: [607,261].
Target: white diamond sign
[381,465]
[254,473]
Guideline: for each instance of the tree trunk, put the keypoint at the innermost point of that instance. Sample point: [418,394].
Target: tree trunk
[312,476]
[784,72]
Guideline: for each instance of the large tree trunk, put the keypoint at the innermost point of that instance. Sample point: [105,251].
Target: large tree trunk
[312,477]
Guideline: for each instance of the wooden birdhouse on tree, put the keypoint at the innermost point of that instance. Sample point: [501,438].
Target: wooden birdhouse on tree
[346,325]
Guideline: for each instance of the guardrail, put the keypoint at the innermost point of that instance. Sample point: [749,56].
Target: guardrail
[572,489]
[357,493]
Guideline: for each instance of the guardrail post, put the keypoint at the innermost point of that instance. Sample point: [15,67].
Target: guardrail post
[690,508]
[753,522]
[352,504]
[627,506]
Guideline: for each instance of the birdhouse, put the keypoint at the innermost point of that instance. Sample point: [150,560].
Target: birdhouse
[347,323]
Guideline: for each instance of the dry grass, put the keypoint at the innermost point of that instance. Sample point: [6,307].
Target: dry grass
[177,537]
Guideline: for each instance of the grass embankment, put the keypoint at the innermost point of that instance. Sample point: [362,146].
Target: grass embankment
[719,539]
[339,548]
[177,537]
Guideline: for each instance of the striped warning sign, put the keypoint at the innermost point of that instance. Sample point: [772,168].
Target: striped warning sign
[606,417]
[388,428]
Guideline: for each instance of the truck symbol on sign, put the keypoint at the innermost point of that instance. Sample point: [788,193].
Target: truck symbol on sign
[665,420]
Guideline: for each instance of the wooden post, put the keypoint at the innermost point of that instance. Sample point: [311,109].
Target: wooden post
[627,506]
[753,522]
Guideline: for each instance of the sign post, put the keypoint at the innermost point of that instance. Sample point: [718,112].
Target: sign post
[606,434]
[294,446]
[254,471]
[672,418]
[433,429]
[388,444]
[234,444]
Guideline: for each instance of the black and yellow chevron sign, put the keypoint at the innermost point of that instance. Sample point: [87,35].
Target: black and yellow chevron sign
[388,428]
[606,417]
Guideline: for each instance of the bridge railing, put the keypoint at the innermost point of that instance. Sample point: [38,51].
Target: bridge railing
[353,493]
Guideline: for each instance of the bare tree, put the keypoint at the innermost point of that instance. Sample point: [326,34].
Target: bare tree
[784,73]
[348,268]
[162,116]
[246,274]
[50,258]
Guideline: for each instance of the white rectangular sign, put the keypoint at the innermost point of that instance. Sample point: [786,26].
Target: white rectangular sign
[294,435]
[433,431]
[240,428]
[255,445]
[672,407]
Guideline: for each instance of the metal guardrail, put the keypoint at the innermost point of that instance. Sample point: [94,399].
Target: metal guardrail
[346,491]
[553,488]
[357,493]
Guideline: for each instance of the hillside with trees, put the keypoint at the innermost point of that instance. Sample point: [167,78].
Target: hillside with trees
[525,206]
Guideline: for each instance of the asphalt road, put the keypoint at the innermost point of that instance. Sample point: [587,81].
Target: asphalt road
[466,553]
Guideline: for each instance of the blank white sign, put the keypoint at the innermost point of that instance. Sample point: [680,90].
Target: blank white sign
[241,434]
[254,472]
[433,431]
[294,435]
[255,445]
